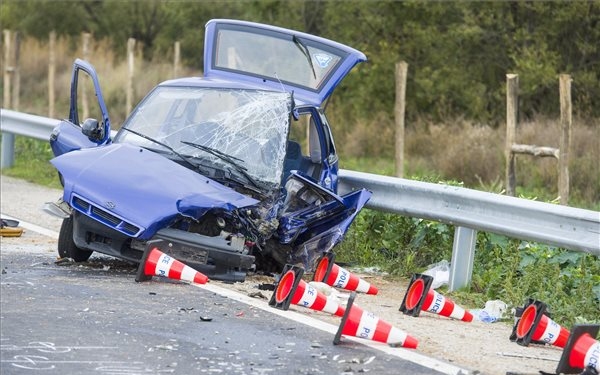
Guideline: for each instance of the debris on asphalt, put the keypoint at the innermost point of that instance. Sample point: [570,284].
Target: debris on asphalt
[64,261]
[257,295]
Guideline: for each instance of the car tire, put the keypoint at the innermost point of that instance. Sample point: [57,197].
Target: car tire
[66,245]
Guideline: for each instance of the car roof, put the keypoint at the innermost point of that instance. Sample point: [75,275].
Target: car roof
[218,83]
[275,58]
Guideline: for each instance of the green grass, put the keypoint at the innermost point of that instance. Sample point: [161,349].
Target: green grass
[32,162]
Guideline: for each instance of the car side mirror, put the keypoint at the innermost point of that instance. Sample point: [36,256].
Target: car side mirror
[92,129]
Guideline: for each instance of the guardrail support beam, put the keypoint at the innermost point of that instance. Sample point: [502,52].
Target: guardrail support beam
[463,252]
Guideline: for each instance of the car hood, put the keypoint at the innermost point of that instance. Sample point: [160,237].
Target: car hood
[140,187]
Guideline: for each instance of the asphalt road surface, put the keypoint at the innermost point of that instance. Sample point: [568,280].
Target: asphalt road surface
[72,319]
[66,318]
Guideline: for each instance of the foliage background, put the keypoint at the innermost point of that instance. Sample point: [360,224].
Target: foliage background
[458,51]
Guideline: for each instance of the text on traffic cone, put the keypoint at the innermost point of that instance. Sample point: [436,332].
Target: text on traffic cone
[334,275]
[419,296]
[582,350]
[292,289]
[535,325]
[360,323]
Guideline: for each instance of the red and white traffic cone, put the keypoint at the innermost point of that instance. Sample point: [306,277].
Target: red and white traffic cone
[360,323]
[535,325]
[338,277]
[419,296]
[156,263]
[582,351]
[292,289]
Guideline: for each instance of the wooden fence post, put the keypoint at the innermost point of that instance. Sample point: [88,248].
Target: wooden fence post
[16,90]
[512,95]
[51,72]
[84,99]
[177,60]
[399,114]
[130,65]
[7,155]
[511,148]
[565,139]
[8,68]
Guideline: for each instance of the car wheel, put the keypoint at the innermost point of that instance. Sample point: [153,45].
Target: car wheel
[66,245]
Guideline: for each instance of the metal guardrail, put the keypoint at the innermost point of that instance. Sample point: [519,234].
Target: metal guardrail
[13,122]
[468,210]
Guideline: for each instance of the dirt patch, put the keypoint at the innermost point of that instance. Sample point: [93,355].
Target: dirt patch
[484,348]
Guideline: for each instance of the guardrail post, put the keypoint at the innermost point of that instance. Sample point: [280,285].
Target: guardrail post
[463,252]
[8,150]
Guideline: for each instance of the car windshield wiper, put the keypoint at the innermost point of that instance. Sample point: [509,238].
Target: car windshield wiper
[182,157]
[305,52]
[227,158]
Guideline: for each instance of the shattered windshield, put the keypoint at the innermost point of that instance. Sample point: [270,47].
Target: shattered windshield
[248,126]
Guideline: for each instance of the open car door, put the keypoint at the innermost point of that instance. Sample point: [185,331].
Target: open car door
[314,219]
[73,133]
[277,58]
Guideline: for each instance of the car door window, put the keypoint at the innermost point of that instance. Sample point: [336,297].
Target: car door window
[87,104]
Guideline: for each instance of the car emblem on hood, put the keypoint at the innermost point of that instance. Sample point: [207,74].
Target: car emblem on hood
[110,205]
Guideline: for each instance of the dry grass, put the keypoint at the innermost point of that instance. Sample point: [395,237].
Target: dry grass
[112,72]
[474,154]
[458,150]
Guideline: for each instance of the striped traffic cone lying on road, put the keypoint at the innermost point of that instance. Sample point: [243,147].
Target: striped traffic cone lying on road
[338,277]
[292,289]
[419,296]
[534,325]
[360,323]
[582,351]
[156,263]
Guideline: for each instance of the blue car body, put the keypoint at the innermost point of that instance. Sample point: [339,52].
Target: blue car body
[212,170]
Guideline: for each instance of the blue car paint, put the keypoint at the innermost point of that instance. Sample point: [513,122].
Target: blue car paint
[145,187]
[71,139]
[337,214]
[322,237]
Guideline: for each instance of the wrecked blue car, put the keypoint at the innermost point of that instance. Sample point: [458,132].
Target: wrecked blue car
[232,172]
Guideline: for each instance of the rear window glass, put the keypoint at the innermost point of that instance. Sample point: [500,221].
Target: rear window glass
[275,56]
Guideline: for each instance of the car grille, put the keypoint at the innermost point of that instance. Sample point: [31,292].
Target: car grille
[104,216]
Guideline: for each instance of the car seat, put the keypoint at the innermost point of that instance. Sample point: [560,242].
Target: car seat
[293,159]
